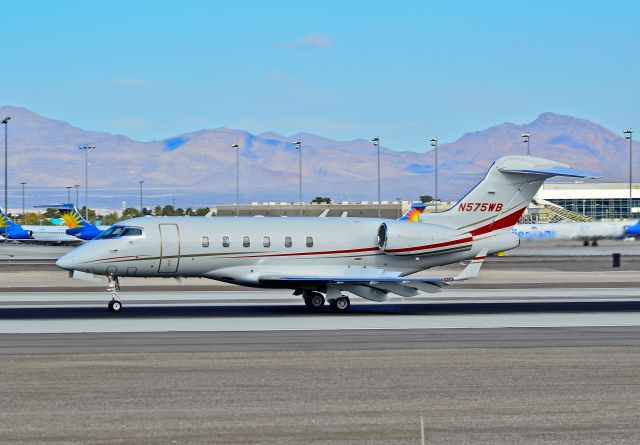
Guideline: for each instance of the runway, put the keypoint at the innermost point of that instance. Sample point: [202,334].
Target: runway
[540,351]
[259,311]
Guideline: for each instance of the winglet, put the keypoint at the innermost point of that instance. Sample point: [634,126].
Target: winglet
[472,270]
[324,213]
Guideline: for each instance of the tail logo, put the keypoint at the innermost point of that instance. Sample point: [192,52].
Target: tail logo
[413,214]
[71,218]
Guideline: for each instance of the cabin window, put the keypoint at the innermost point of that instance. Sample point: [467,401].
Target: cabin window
[287,241]
[266,241]
[309,241]
[225,241]
[246,241]
[204,241]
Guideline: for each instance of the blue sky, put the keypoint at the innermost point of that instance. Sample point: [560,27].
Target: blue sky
[342,69]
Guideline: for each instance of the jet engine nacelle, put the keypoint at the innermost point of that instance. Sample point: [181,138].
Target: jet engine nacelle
[401,238]
[16,232]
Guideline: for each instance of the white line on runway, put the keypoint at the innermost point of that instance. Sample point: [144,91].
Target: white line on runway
[324,321]
[286,296]
[319,322]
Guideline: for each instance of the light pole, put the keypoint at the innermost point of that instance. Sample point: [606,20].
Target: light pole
[237,147]
[525,140]
[5,121]
[434,144]
[141,182]
[77,187]
[628,133]
[399,207]
[298,145]
[69,187]
[376,144]
[86,149]
[24,216]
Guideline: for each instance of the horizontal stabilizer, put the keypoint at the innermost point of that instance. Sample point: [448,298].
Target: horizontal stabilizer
[553,171]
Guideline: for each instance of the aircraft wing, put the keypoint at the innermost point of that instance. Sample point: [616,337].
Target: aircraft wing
[372,287]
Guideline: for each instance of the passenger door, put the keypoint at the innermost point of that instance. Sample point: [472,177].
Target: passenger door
[169,248]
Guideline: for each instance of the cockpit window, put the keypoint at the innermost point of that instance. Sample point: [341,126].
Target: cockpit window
[132,231]
[118,231]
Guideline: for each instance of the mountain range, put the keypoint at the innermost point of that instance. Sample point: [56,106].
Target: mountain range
[198,168]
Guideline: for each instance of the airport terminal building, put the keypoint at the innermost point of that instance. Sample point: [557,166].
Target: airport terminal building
[604,200]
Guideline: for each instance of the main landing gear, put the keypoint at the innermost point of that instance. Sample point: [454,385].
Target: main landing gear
[115,305]
[315,302]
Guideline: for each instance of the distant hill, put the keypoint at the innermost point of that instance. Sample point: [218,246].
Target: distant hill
[199,167]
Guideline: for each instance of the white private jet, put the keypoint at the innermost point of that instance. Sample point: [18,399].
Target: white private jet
[319,258]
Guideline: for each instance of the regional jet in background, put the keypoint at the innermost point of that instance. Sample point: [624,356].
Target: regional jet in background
[34,234]
[77,226]
[320,258]
[587,232]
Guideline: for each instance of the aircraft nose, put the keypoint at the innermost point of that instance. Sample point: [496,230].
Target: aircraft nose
[66,262]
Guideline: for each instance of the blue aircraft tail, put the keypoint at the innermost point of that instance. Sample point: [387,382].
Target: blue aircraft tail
[12,230]
[78,226]
[414,212]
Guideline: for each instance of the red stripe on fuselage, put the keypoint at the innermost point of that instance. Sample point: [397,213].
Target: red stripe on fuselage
[498,224]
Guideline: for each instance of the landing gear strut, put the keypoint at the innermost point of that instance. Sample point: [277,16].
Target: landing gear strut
[313,300]
[115,305]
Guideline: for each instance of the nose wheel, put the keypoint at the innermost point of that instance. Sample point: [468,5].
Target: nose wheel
[115,305]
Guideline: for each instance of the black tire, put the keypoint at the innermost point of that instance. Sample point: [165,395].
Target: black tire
[115,306]
[341,305]
[315,301]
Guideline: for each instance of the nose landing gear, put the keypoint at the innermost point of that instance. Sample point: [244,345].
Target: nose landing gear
[115,305]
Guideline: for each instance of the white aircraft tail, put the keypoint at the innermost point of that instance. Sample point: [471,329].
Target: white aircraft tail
[499,200]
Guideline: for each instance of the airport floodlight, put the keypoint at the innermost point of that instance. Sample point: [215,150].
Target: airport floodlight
[5,121]
[24,218]
[298,144]
[525,140]
[141,182]
[237,148]
[86,149]
[68,187]
[434,144]
[628,134]
[77,187]
[376,145]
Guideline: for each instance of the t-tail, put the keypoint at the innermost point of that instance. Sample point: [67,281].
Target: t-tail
[501,198]
[12,230]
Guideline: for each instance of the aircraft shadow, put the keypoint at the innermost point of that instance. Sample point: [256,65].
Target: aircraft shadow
[257,311]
